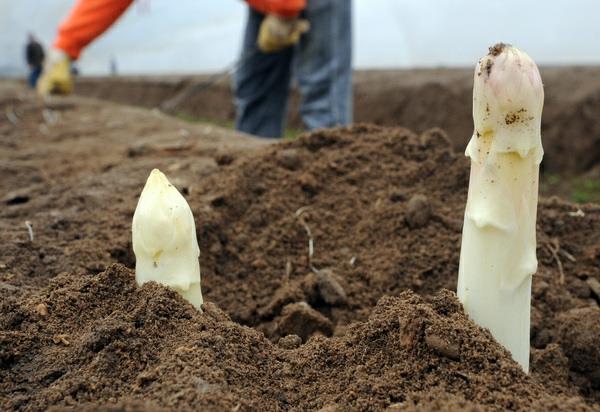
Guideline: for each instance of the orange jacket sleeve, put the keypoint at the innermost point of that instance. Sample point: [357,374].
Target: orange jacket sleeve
[87,20]
[283,8]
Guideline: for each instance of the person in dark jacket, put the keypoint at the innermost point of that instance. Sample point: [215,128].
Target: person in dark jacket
[34,54]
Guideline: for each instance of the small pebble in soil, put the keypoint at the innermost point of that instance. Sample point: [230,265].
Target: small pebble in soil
[594,286]
[41,309]
[330,289]
[418,211]
[289,159]
[442,346]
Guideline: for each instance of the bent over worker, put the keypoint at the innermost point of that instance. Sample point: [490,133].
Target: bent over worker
[310,39]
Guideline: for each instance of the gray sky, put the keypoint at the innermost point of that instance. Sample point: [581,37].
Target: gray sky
[155,36]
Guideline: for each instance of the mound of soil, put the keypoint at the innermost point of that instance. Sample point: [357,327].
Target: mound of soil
[384,209]
[95,341]
[359,323]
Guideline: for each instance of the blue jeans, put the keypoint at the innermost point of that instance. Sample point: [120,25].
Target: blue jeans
[34,75]
[321,63]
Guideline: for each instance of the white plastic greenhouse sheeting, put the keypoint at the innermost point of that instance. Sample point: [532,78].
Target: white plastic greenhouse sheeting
[203,36]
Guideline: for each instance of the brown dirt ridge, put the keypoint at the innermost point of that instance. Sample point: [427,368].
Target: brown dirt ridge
[418,99]
[103,340]
[367,322]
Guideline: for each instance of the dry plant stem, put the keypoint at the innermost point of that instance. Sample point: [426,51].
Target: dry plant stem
[577,213]
[29,230]
[554,248]
[299,213]
[11,116]
[567,255]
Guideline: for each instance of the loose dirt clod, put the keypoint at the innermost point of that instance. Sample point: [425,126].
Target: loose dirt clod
[418,211]
[580,339]
[302,320]
[290,159]
[290,342]
[497,48]
[330,289]
[594,286]
[442,346]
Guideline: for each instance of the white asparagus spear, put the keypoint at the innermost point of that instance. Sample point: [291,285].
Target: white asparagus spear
[164,239]
[498,253]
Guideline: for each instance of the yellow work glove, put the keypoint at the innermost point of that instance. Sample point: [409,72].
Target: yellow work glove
[277,33]
[56,74]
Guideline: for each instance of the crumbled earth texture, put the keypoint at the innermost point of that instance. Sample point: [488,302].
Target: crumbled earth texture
[328,265]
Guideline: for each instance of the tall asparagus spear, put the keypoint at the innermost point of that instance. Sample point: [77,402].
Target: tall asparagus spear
[498,253]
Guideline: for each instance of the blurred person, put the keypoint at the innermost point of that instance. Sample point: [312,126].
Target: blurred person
[113,68]
[34,55]
[309,38]
[87,20]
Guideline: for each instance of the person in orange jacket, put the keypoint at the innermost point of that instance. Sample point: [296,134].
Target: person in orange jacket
[87,20]
[277,38]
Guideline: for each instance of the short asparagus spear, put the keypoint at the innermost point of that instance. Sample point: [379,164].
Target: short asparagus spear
[164,239]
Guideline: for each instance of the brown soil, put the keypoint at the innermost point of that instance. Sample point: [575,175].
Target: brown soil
[384,209]
[416,99]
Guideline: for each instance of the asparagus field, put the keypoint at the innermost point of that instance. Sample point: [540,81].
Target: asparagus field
[329,266]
